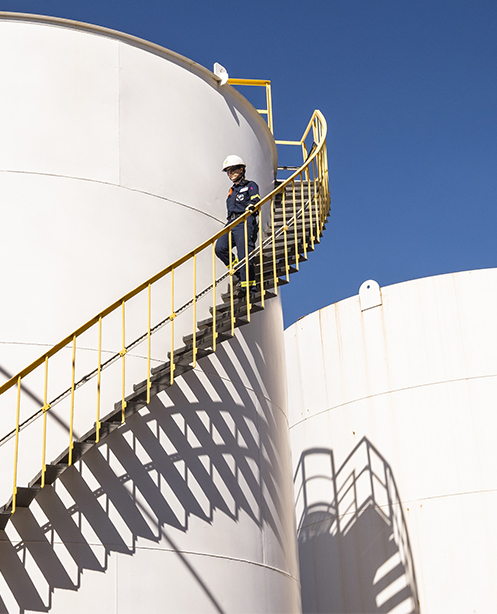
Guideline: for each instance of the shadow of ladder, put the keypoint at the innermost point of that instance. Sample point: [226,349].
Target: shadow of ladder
[183,356]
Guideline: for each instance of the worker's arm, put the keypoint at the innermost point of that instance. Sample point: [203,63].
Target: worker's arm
[253,194]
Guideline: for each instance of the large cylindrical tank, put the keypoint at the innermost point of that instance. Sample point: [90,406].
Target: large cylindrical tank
[392,401]
[110,169]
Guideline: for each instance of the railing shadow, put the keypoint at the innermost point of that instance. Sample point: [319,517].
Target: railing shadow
[355,555]
[206,447]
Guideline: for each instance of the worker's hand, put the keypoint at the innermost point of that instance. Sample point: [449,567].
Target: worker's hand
[250,208]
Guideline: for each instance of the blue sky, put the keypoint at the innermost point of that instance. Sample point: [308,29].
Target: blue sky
[409,90]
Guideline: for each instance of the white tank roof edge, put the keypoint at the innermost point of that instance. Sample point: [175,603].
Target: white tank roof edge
[110,33]
[146,46]
[377,288]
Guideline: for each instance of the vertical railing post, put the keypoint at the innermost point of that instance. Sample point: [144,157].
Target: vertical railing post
[285,229]
[261,261]
[275,276]
[16,449]
[99,379]
[302,202]
[173,317]
[45,408]
[123,356]
[232,306]
[309,198]
[326,185]
[247,268]
[315,130]
[73,380]
[269,106]
[325,199]
[316,210]
[149,341]
[194,310]
[214,313]
[295,229]
[318,191]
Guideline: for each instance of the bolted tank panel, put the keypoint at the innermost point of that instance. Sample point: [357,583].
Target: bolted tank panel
[110,169]
[392,413]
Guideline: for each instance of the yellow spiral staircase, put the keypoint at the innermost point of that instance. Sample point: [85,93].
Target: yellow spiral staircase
[293,218]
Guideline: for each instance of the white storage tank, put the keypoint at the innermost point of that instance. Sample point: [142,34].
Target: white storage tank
[110,169]
[392,404]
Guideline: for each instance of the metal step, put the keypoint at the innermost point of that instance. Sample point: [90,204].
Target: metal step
[184,355]
[79,448]
[291,225]
[24,496]
[158,382]
[61,463]
[291,229]
[267,255]
[240,302]
[241,295]
[4,518]
[52,472]
[239,292]
[204,337]
[220,318]
[105,429]
[134,402]
[280,265]
[280,244]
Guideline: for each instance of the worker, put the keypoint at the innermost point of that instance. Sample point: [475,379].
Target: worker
[243,196]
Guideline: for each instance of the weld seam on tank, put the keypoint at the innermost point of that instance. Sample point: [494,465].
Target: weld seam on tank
[221,557]
[380,394]
[116,185]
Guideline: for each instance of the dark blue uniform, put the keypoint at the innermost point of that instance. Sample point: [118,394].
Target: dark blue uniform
[239,197]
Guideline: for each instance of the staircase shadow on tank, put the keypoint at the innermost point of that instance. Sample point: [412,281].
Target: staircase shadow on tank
[192,455]
[354,550]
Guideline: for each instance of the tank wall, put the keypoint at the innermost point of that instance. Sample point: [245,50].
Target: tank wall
[110,169]
[186,508]
[120,145]
[391,413]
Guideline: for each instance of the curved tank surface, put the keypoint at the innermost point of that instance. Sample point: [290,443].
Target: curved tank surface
[392,397]
[110,169]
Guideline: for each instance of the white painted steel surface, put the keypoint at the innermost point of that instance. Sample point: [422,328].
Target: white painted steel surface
[393,420]
[109,171]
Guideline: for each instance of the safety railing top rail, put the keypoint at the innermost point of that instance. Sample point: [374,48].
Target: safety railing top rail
[315,165]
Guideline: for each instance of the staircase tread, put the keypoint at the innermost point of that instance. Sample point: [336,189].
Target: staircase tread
[241,301]
[220,317]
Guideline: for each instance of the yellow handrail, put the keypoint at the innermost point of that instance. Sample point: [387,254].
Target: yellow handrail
[315,167]
[105,312]
[268,111]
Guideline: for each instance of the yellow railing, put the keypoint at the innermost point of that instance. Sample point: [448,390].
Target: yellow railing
[308,185]
[268,111]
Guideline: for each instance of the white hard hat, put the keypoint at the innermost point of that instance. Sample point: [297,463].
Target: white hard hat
[232,160]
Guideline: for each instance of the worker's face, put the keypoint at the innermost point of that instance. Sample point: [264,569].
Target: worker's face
[235,173]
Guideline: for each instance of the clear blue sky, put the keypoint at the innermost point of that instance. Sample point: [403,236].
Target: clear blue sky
[409,89]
